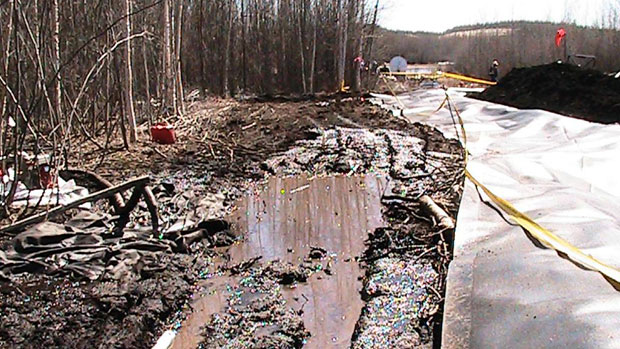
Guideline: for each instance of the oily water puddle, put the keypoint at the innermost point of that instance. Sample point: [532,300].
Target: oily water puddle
[283,222]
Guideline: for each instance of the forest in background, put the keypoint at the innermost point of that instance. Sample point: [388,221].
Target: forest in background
[514,44]
[92,71]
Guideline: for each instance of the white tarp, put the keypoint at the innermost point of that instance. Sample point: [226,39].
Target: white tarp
[63,193]
[503,291]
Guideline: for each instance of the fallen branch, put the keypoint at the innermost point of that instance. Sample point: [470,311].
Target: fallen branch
[430,207]
[151,204]
[116,200]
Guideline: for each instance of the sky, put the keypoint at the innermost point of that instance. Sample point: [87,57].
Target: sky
[441,15]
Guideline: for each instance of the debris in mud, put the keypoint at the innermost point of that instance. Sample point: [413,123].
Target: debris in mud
[257,315]
[355,151]
[412,171]
[561,88]
[298,239]
[287,273]
[284,273]
[311,295]
[99,286]
[399,302]
[406,261]
[88,246]
[50,312]
[404,282]
[397,277]
[317,253]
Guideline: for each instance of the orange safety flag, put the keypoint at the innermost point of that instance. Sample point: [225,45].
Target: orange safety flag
[559,36]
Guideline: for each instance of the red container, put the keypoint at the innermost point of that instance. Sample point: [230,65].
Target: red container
[163,133]
[46,176]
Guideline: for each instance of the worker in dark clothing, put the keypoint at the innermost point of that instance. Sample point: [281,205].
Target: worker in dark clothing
[494,70]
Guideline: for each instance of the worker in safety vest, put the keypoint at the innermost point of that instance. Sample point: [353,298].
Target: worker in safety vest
[494,70]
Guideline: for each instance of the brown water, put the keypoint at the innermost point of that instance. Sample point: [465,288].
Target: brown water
[283,222]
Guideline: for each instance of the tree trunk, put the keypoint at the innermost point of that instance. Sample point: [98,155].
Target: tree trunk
[108,83]
[3,109]
[244,53]
[357,74]
[167,81]
[342,47]
[179,96]
[301,50]
[130,113]
[225,87]
[147,80]
[283,66]
[313,62]
[121,95]
[56,58]
[17,157]
[372,30]
[202,48]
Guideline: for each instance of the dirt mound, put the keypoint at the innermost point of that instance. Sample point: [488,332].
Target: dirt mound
[561,88]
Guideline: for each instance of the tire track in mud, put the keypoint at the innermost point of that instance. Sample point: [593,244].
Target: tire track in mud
[64,311]
[403,254]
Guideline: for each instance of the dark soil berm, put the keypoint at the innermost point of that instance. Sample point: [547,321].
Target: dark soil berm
[562,88]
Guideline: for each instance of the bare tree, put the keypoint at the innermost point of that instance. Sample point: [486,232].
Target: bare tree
[357,78]
[167,81]
[179,95]
[56,57]
[314,32]
[227,53]
[342,40]
[130,113]
[302,12]
[70,77]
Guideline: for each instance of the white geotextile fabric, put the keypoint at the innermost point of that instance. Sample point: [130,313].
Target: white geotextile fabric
[63,193]
[503,291]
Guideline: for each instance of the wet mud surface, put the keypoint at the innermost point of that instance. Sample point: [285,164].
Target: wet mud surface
[302,222]
[561,88]
[314,255]
[352,255]
[309,233]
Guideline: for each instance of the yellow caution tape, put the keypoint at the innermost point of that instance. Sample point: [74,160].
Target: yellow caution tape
[402,106]
[549,239]
[443,104]
[444,75]
[469,79]
[544,236]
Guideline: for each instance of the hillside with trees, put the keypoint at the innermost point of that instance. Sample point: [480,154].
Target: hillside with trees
[515,44]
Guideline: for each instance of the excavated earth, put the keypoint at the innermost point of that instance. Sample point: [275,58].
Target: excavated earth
[286,224]
[562,88]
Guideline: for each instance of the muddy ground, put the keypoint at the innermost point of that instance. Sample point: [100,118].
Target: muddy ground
[226,156]
[562,88]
